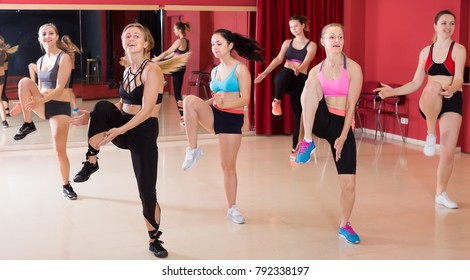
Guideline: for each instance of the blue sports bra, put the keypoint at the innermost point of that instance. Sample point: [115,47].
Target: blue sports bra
[229,84]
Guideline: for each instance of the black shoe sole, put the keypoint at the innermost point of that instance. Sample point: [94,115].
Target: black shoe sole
[80,179]
[159,254]
[71,197]
[20,136]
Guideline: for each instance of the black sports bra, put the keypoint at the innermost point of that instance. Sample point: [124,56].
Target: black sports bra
[135,96]
[293,54]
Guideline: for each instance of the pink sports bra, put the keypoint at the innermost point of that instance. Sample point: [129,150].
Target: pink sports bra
[334,88]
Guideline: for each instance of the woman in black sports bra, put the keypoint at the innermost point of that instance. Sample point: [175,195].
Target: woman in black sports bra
[297,54]
[132,124]
[179,47]
[443,64]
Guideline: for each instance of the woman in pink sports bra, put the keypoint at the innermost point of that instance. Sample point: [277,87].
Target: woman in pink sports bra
[328,103]
[443,63]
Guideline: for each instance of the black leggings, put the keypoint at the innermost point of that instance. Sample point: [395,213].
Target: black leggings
[142,143]
[329,126]
[4,90]
[287,82]
[178,77]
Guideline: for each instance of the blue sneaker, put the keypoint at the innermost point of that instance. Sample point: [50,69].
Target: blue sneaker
[305,151]
[348,234]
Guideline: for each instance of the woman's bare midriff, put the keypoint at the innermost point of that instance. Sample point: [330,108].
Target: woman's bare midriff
[443,80]
[64,97]
[292,64]
[229,96]
[336,102]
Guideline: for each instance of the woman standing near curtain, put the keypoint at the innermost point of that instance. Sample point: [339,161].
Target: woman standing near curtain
[441,98]
[180,46]
[224,113]
[298,54]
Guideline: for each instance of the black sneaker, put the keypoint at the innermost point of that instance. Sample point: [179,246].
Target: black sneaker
[87,169]
[156,247]
[69,192]
[5,124]
[24,130]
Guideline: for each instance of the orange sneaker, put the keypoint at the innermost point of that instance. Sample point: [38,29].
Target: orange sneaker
[277,111]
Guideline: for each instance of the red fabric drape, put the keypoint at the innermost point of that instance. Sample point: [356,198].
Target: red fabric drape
[272,28]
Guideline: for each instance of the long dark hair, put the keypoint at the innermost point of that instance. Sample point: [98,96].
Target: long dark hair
[245,47]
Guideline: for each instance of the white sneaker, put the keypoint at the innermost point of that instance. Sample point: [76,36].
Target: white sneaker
[443,199]
[192,156]
[430,145]
[235,216]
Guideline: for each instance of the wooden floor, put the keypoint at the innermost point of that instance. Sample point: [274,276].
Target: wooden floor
[291,212]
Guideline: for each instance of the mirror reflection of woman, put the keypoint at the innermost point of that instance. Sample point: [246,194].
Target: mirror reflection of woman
[179,47]
[48,100]
[5,51]
[71,50]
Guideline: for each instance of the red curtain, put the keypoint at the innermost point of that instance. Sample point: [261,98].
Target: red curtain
[272,28]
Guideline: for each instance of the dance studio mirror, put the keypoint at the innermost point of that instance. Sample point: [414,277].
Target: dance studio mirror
[98,73]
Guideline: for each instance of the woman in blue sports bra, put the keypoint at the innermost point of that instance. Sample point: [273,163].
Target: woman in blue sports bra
[48,100]
[179,47]
[298,54]
[443,64]
[224,113]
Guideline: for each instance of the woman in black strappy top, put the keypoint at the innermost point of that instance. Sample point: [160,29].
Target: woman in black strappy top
[132,124]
